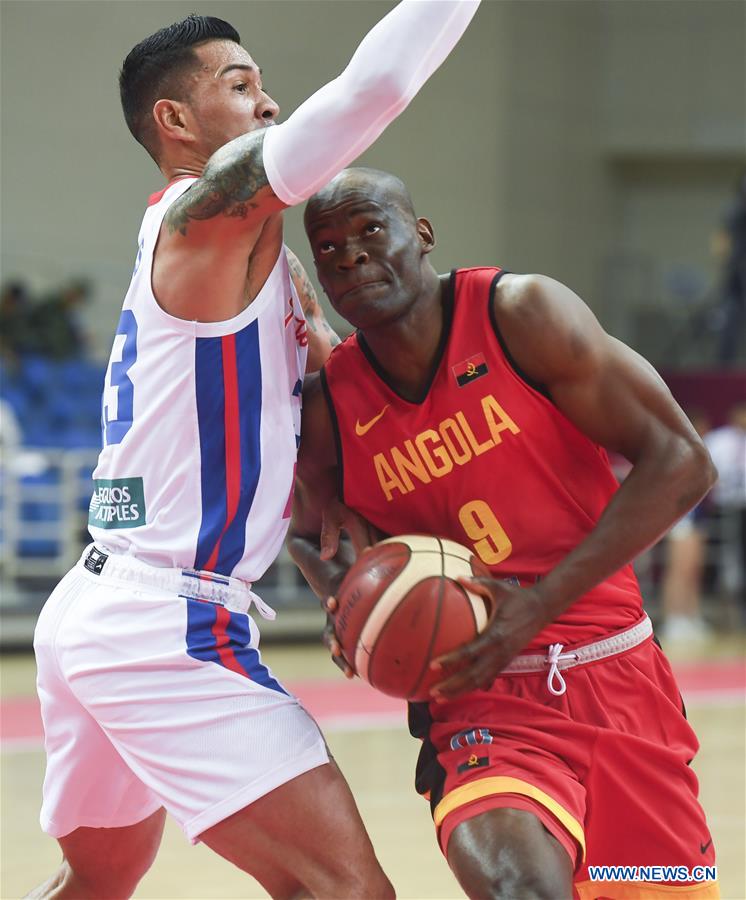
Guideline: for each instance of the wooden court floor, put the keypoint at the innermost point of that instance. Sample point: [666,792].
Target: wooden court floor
[377,756]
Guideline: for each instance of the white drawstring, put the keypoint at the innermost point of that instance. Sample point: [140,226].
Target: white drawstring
[265,610]
[554,658]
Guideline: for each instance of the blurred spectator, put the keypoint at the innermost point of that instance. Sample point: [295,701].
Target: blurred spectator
[58,330]
[16,328]
[681,586]
[727,446]
[729,246]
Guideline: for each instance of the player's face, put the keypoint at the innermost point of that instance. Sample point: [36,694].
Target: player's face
[368,256]
[226,94]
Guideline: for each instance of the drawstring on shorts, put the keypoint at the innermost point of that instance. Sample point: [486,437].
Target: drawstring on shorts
[557,660]
[554,658]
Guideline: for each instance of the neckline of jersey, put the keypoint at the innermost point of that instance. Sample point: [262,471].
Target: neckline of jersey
[158,195]
[448,305]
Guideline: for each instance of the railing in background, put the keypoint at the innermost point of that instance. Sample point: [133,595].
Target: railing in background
[44,497]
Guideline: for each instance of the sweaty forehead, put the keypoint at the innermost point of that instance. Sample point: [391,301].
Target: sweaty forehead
[349,195]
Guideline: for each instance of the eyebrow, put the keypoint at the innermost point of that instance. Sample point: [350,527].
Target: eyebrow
[364,206]
[231,66]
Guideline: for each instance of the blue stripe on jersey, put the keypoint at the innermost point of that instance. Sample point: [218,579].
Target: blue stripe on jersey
[210,392]
[249,369]
[201,642]
[199,637]
[208,367]
[240,635]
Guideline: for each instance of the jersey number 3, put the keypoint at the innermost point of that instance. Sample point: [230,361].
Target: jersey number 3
[118,400]
[486,533]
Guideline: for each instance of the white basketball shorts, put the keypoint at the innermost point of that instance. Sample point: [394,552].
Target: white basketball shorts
[151,697]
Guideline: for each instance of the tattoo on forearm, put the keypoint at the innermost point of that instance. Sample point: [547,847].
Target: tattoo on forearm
[229,185]
[306,292]
[334,338]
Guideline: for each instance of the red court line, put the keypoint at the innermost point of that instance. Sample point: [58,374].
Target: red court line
[339,703]
[711,676]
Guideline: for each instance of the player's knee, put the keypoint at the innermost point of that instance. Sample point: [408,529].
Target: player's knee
[373,883]
[505,879]
[508,875]
[110,878]
[88,882]
[507,853]
[109,862]
[352,877]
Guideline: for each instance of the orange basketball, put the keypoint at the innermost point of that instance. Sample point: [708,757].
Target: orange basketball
[400,607]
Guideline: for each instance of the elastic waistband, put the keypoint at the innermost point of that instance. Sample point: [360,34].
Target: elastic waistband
[610,646]
[191,584]
[557,658]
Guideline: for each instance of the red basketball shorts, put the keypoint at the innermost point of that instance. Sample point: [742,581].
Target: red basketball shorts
[605,767]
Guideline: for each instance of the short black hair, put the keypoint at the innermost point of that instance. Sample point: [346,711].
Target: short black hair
[152,69]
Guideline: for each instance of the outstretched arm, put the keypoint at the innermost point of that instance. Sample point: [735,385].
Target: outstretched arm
[342,119]
[211,230]
[257,173]
[618,400]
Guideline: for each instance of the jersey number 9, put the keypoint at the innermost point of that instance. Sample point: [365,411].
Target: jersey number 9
[486,533]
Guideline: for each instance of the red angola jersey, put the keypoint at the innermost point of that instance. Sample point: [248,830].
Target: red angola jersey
[483,457]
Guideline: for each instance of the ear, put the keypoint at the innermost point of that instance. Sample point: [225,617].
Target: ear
[172,121]
[426,235]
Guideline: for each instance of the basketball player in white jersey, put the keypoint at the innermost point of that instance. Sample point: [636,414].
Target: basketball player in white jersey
[153,693]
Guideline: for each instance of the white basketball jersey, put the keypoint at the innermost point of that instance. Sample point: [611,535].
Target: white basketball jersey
[201,424]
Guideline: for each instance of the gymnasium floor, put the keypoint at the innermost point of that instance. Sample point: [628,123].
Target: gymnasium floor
[366,734]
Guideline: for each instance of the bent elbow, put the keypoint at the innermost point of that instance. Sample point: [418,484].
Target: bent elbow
[701,470]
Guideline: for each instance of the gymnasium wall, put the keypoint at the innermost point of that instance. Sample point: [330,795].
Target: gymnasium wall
[523,148]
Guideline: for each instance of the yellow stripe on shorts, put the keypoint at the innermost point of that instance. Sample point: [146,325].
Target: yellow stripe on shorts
[501,784]
[647,890]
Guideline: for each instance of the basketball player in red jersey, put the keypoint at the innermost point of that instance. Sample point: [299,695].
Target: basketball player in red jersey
[476,407]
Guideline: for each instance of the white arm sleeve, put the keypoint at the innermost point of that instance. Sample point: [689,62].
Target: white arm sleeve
[342,119]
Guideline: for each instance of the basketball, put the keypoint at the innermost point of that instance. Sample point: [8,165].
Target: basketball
[400,607]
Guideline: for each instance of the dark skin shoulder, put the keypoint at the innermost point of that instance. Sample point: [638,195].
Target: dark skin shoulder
[617,399]
[557,341]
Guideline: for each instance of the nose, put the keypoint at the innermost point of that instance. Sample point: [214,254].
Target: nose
[352,257]
[267,108]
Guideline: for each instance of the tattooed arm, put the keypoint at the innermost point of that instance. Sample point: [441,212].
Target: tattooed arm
[224,219]
[234,185]
[321,336]
[220,239]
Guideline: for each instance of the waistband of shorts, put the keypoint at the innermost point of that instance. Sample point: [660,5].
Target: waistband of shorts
[529,663]
[190,584]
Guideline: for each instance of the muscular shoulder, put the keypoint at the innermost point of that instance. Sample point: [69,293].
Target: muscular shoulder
[549,331]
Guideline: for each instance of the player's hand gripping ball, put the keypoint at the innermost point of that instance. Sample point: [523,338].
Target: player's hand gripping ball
[400,607]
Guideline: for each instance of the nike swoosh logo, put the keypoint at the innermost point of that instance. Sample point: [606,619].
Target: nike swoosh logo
[360,430]
[703,848]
